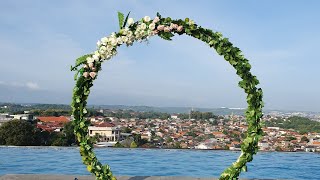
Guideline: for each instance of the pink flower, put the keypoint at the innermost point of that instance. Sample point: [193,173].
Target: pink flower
[160,27]
[94,68]
[91,65]
[173,26]
[156,19]
[180,28]
[155,32]
[85,74]
[167,29]
[93,74]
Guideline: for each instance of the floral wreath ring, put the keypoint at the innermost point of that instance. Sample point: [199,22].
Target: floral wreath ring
[130,32]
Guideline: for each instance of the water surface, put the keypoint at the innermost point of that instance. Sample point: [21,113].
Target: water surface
[157,162]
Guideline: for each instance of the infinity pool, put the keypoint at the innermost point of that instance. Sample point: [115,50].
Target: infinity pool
[157,162]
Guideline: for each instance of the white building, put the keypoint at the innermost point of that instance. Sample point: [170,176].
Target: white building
[106,131]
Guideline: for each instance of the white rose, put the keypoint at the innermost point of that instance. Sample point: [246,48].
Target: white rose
[90,60]
[130,21]
[152,26]
[146,19]
[113,41]
[96,53]
[119,40]
[95,57]
[124,39]
[130,33]
[104,40]
[103,48]
[109,48]
[143,26]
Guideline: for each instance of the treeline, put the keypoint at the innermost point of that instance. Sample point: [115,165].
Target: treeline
[198,115]
[24,133]
[20,108]
[140,115]
[300,124]
[51,112]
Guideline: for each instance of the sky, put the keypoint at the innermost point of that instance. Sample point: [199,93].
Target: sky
[40,40]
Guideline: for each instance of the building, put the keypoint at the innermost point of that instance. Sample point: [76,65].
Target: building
[51,123]
[106,132]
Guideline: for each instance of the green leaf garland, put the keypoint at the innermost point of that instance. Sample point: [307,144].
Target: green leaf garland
[164,28]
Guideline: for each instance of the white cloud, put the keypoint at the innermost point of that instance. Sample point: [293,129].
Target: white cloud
[30,85]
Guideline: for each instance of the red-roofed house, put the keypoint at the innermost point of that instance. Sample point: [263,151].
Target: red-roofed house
[51,123]
[53,119]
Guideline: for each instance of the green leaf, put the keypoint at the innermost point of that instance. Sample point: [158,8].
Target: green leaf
[79,61]
[159,15]
[166,36]
[120,18]
[126,20]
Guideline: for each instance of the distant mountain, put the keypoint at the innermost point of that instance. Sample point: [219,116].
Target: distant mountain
[171,110]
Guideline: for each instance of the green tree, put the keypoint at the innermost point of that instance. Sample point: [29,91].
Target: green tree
[133,145]
[18,133]
[118,145]
[69,134]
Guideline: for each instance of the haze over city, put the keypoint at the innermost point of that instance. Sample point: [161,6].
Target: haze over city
[39,42]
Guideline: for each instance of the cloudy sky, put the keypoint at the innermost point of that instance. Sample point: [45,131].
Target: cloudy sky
[40,40]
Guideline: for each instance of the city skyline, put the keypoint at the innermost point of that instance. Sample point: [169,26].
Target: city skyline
[40,41]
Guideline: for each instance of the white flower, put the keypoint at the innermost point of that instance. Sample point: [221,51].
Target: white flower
[104,40]
[130,33]
[119,40]
[95,57]
[113,42]
[130,21]
[90,65]
[143,26]
[113,35]
[156,19]
[191,22]
[109,48]
[124,39]
[90,60]
[99,43]
[152,26]
[103,48]
[146,19]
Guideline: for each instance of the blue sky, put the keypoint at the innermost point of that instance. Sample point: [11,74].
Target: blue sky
[40,40]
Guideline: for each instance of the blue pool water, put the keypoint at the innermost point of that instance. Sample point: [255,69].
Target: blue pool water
[157,162]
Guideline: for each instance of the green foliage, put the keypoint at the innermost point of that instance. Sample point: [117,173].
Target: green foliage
[24,133]
[126,20]
[121,19]
[300,124]
[18,133]
[133,145]
[223,47]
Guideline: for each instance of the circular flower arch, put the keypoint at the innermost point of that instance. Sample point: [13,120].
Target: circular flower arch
[89,65]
